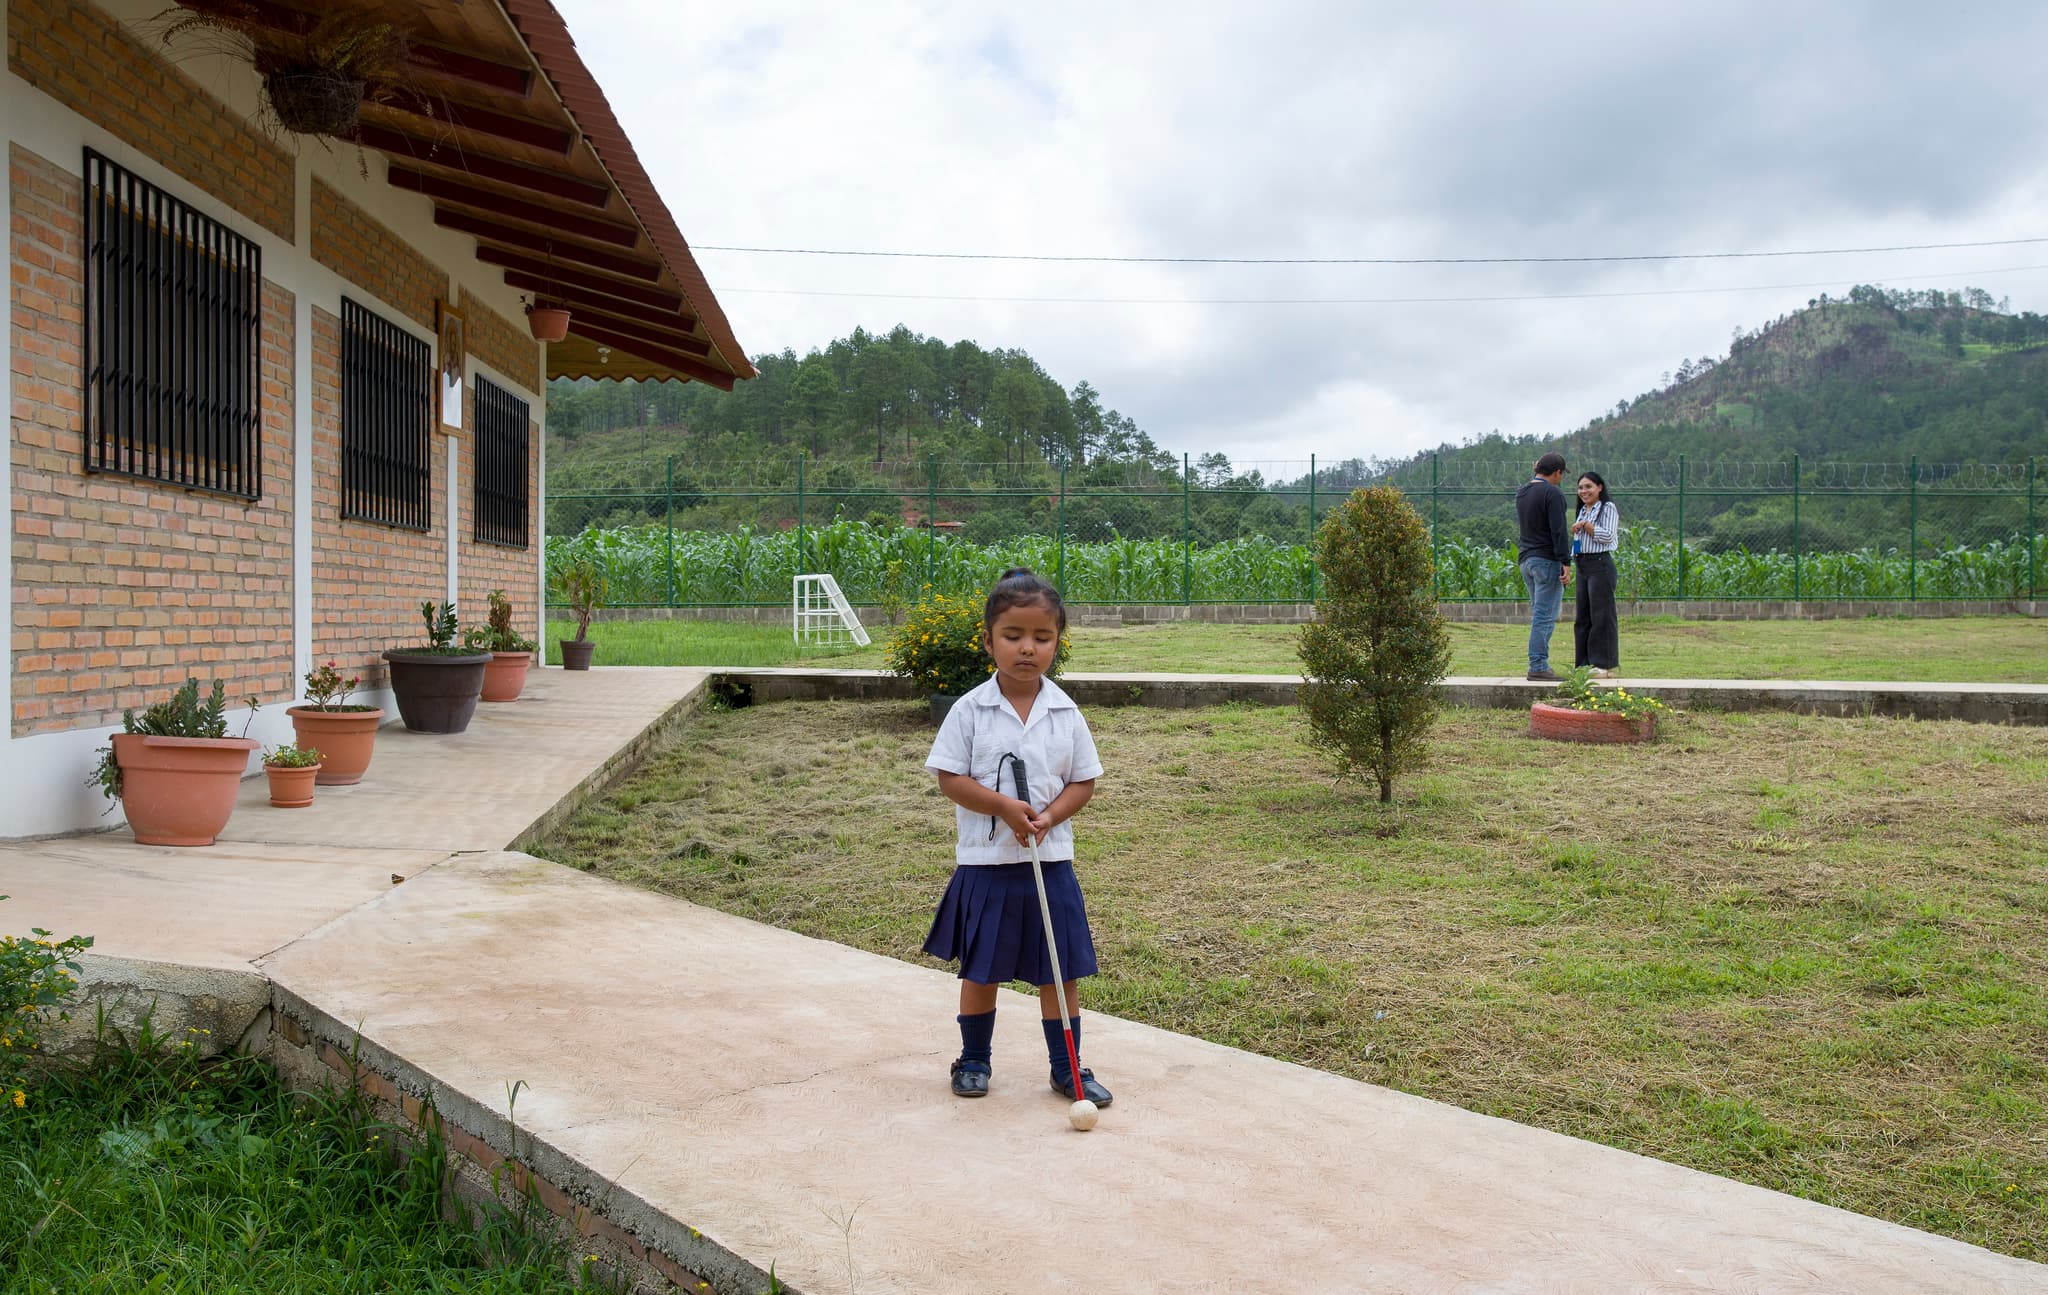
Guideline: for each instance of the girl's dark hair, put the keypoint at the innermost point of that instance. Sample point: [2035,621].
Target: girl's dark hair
[1599,481]
[1021,587]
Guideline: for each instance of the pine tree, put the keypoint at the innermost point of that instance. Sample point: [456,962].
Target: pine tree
[1378,647]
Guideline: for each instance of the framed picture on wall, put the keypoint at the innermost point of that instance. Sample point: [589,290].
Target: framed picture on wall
[454,345]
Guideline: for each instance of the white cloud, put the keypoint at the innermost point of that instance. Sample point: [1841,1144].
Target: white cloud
[1328,130]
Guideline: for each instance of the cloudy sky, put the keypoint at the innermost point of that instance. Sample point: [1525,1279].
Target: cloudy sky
[1333,131]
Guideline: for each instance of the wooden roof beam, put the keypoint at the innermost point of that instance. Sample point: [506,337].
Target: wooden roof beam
[437,60]
[497,125]
[533,241]
[642,327]
[483,165]
[444,189]
[670,303]
[656,354]
[576,299]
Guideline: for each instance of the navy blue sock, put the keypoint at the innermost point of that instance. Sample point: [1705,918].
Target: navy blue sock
[977,1038]
[1056,1047]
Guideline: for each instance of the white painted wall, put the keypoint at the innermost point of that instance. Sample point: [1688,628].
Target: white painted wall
[42,777]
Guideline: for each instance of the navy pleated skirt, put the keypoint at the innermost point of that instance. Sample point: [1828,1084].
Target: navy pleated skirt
[989,921]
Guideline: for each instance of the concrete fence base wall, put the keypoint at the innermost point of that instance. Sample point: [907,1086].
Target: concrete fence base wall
[1112,615]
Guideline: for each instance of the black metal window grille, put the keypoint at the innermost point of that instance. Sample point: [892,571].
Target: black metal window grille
[501,450]
[387,422]
[173,325]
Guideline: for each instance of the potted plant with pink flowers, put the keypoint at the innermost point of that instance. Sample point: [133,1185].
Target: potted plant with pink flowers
[344,734]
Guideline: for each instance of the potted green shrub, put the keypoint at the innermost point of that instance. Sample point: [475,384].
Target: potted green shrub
[938,648]
[291,770]
[344,734]
[579,585]
[437,685]
[511,655]
[174,769]
[1582,713]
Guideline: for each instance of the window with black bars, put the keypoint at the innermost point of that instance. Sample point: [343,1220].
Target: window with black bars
[387,422]
[173,330]
[501,449]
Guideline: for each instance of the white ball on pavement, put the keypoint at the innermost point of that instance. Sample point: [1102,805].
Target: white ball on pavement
[1083,1114]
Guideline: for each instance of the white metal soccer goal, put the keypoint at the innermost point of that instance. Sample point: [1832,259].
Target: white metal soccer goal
[820,614]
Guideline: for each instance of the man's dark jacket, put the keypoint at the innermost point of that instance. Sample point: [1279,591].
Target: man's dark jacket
[1540,506]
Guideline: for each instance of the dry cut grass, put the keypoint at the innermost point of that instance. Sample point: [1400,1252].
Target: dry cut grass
[1807,953]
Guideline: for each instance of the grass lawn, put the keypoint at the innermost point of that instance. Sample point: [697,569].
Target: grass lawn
[1807,953]
[1974,649]
[215,1180]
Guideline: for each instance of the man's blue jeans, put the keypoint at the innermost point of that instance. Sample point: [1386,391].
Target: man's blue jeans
[1545,579]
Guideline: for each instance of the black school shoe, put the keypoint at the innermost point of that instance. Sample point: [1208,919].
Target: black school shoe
[970,1079]
[1091,1090]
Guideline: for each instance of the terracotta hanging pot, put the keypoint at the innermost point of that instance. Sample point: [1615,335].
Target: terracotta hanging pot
[345,740]
[549,323]
[180,790]
[505,676]
[291,787]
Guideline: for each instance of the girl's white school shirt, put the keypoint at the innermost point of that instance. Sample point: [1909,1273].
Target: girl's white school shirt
[1054,744]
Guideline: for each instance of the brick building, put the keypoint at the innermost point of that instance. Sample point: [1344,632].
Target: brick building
[266,393]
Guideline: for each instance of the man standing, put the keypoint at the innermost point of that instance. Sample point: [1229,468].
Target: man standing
[1545,554]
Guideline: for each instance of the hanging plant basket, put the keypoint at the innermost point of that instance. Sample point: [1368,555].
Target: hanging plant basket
[314,100]
[549,323]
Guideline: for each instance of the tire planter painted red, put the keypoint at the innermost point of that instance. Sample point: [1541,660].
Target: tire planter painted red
[1563,724]
[345,739]
[291,788]
[180,790]
[505,676]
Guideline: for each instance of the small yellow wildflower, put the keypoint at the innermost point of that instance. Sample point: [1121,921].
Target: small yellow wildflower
[20,1099]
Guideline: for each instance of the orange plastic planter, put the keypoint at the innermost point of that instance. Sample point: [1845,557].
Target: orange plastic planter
[1563,724]
[345,739]
[505,676]
[180,790]
[291,788]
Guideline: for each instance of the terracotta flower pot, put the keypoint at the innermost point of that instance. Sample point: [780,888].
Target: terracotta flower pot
[291,787]
[180,790]
[576,653]
[436,693]
[505,676]
[549,323]
[1564,724]
[345,740]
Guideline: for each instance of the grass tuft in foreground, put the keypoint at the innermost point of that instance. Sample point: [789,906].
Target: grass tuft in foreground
[1807,953]
[152,1172]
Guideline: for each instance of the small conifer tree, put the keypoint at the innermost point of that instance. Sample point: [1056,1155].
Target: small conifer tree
[1378,647]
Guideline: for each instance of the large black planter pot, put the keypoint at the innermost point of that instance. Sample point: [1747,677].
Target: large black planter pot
[436,694]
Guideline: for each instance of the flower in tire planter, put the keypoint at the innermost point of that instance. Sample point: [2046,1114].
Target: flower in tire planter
[505,676]
[291,770]
[175,770]
[345,735]
[437,686]
[1584,713]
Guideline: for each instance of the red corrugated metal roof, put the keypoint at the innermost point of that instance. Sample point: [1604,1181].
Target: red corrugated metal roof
[554,51]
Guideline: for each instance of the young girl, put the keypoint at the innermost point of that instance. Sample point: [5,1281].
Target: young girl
[989,918]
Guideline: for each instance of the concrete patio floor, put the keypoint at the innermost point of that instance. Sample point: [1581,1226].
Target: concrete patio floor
[783,1099]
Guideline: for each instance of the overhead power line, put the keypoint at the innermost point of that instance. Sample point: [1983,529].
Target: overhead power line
[1358,301]
[1363,260]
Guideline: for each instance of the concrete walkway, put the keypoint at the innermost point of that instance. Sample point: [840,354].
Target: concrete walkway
[729,1094]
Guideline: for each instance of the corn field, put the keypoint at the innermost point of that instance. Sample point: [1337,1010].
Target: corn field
[877,564]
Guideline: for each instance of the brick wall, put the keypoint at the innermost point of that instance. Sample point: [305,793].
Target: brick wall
[123,587]
[497,341]
[348,241]
[368,580]
[75,53]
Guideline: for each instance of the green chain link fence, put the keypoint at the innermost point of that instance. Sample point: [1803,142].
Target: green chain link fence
[682,534]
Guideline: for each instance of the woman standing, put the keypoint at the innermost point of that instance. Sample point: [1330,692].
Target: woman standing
[1596,634]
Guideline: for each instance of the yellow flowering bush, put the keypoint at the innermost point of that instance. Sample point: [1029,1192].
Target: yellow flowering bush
[938,646]
[36,973]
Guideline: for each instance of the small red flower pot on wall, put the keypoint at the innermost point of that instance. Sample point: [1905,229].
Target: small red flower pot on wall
[1563,724]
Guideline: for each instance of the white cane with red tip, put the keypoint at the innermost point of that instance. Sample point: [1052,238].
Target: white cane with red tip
[1083,1113]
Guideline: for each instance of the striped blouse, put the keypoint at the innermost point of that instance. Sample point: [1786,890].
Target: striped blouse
[1606,536]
